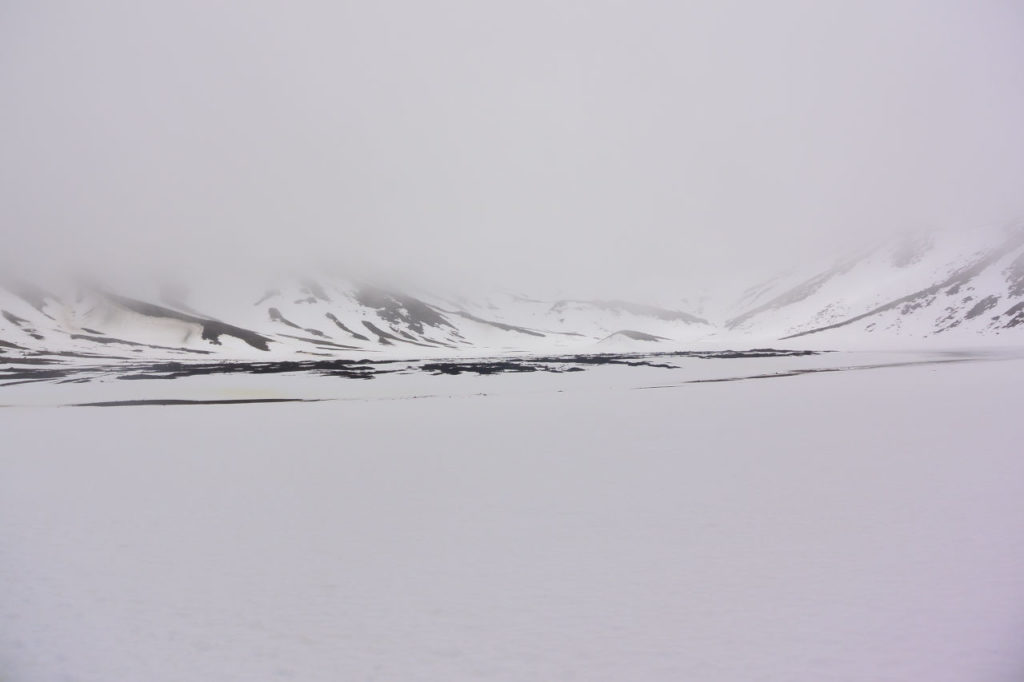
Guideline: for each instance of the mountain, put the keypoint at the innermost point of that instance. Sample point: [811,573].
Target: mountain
[323,317]
[963,287]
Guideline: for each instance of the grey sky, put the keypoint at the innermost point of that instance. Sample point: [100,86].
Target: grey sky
[611,143]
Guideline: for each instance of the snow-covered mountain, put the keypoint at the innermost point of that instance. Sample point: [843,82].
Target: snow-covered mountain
[964,287]
[323,317]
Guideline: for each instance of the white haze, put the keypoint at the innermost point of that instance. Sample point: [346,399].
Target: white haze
[614,145]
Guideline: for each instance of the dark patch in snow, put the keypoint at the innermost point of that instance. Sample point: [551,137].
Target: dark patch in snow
[627,360]
[350,369]
[212,329]
[29,361]
[155,402]
[981,306]
[276,316]
[319,342]
[952,283]
[13,319]
[134,370]
[340,325]
[399,309]
[30,374]
[634,335]
[382,336]
[820,370]
[575,363]
[1016,314]
[499,325]
[135,344]
[496,367]
[386,339]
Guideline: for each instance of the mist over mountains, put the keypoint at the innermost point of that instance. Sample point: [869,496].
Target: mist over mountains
[961,288]
[631,148]
[636,173]
[511,340]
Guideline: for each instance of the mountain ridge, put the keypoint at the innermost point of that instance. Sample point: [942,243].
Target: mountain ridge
[914,288]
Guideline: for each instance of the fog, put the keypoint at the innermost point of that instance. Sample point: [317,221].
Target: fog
[607,145]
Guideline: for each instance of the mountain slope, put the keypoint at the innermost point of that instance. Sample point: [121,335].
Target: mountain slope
[962,285]
[325,317]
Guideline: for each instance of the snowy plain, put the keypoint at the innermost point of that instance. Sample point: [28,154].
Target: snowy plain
[618,523]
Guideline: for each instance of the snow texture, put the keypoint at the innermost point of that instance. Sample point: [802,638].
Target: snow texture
[604,525]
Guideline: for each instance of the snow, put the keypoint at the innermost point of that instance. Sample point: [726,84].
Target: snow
[813,298]
[955,289]
[853,525]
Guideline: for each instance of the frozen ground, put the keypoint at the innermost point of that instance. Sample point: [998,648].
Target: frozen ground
[848,525]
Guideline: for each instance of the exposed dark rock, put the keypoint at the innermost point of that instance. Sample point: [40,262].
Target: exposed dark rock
[959,278]
[13,319]
[382,336]
[170,402]
[40,368]
[496,367]
[340,325]
[320,343]
[136,344]
[981,306]
[387,339]
[499,325]
[399,309]
[212,329]
[635,335]
[1016,315]
[276,316]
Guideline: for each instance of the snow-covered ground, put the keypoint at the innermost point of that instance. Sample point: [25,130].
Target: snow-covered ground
[850,525]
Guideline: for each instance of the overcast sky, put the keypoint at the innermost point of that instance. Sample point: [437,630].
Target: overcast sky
[600,142]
